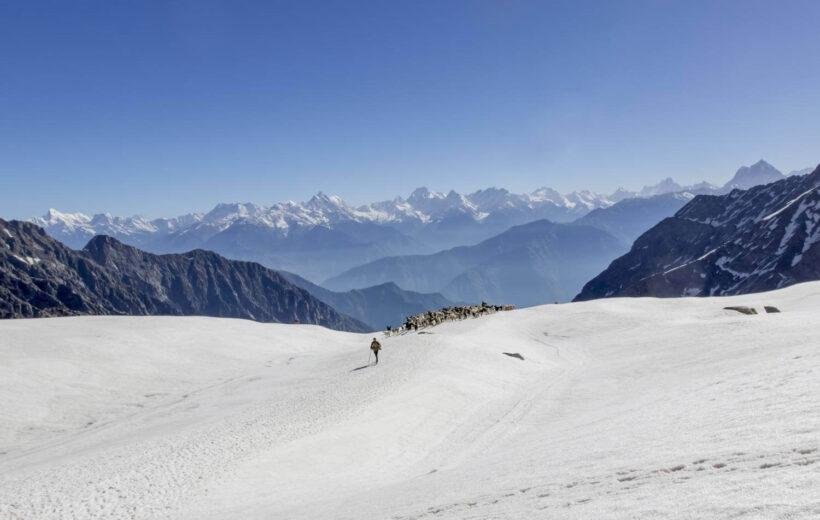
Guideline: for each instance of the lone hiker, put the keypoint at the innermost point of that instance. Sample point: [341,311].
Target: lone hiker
[375,346]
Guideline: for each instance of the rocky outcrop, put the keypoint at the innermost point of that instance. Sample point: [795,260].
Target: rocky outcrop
[741,309]
[41,277]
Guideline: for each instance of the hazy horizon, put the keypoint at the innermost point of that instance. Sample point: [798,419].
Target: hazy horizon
[357,203]
[162,110]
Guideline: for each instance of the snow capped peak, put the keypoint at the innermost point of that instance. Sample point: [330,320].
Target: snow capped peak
[232,211]
[621,193]
[667,185]
[76,226]
[702,188]
[588,199]
[433,203]
[500,192]
[110,224]
[762,164]
[104,219]
[760,172]
[421,194]
[54,216]
[459,200]
[548,195]
[75,229]
[497,199]
[328,209]
[169,225]
[321,201]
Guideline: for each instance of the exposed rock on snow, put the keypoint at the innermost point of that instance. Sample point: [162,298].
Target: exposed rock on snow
[741,309]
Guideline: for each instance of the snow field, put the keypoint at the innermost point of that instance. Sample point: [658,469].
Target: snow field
[621,408]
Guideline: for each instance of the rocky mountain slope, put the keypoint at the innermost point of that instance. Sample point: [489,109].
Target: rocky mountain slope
[377,306]
[529,264]
[41,277]
[748,241]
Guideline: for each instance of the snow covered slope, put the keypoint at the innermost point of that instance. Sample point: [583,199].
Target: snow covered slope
[620,408]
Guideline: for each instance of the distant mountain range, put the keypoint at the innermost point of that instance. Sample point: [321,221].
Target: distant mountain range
[378,306]
[804,171]
[40,277]
[630,218]
[528,264]
[380,261]
[755,240]
[323,237]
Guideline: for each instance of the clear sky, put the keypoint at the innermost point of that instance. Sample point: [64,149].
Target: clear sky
[161,108]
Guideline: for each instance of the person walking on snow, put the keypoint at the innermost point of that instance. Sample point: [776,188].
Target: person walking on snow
[375,346]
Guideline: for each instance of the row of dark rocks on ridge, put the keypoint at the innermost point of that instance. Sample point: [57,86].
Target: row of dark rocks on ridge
[455,313]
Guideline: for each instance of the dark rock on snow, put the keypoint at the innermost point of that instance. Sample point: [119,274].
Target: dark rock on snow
[741,309]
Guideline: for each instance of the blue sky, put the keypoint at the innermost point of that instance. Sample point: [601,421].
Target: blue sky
[161,108]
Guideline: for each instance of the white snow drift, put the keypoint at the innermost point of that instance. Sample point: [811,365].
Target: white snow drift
[624,408]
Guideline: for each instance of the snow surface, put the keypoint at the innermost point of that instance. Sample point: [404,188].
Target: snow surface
[621,408]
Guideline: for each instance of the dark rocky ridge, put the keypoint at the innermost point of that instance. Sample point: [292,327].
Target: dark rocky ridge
[749,241]
[41,277]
